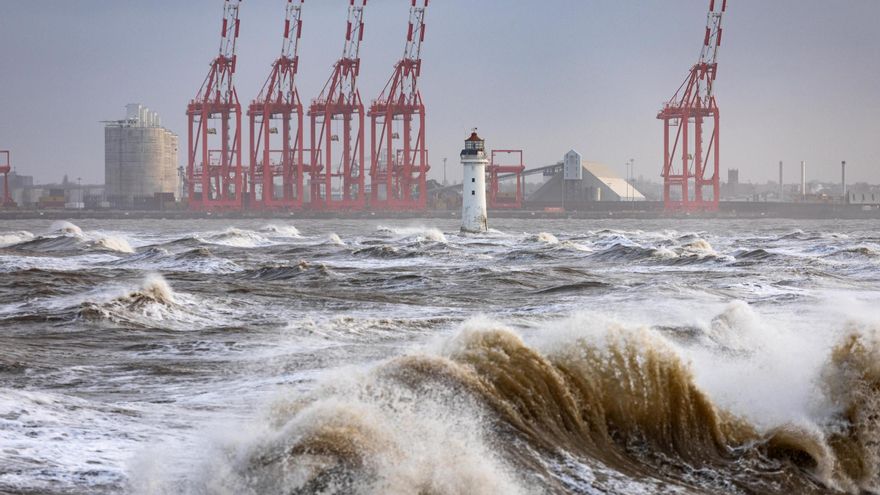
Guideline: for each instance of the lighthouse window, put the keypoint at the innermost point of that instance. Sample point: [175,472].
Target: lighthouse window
[473,179]
[473,193]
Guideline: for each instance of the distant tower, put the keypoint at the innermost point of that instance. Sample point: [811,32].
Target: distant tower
[473,203]
[781,184]
[803,180]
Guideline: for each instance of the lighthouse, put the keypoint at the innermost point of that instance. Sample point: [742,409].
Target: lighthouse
[473,194]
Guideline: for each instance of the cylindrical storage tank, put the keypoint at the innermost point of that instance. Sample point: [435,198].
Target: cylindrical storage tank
[139,162]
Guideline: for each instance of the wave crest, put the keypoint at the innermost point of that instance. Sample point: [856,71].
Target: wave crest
[852,381]
[13,238]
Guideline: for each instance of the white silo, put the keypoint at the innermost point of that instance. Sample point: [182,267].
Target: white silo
[473,195]
[140,160]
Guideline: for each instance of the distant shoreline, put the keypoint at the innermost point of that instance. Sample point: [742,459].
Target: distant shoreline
[647,211]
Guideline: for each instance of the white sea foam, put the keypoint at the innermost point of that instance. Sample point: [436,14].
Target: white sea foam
[419,233]
[114,243]
[282,230]
[12,238]
[235,237]
[335,239]
[547,238]
[63,227]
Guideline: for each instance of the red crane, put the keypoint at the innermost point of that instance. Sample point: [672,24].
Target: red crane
[215,179]
[5,168]
[497,199]
[689,164]
[339,110]
[276,127]
[399,171]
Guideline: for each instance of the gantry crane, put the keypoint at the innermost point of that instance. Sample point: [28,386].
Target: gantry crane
[276,127]
[337,149]
[215,178]
[497,171]
[399,157]
[687,160]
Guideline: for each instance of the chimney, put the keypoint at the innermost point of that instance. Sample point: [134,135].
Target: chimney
[803,180]
[781,184]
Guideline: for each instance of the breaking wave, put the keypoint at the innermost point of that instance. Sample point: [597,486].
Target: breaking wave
[287,272]
[485,412]
[547,238]
[282,230]
[420,234]
[238,238]
[335,240]
[384,251]
[62,227]
[13,238]
[153,305]
[66,237]
[113,243]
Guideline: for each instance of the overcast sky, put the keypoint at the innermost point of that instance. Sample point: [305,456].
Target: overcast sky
[798,79]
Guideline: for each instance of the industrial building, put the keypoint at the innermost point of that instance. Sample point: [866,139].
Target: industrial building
[574,182]
[140,160]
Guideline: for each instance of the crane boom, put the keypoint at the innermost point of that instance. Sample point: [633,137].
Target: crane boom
[292,30]
[218,84]
[708,64]
[354,33]
[281,86]
[412,54]
[341,88]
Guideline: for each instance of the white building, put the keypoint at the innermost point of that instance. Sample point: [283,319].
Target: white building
[473,202]
[140,159]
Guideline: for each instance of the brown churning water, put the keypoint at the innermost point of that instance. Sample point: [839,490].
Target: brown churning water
[337,357]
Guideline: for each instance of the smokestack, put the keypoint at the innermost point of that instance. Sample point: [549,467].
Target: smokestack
[843,178]
[803,180]
[781,184]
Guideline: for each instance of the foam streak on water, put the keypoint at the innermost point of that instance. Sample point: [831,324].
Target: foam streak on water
[381,357]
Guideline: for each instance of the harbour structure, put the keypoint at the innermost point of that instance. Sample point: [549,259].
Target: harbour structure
[574,183]
[474,160]
[399,155]
[690,173]
[140,160]
[214,174]
[506,166]
[337,118]
[277,151]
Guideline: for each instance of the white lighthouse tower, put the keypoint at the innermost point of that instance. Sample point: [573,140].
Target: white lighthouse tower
[473,194]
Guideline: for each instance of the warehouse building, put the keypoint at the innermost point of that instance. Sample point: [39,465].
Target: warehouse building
[575,181]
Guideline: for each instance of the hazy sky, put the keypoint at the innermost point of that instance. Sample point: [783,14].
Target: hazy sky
[798,79]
